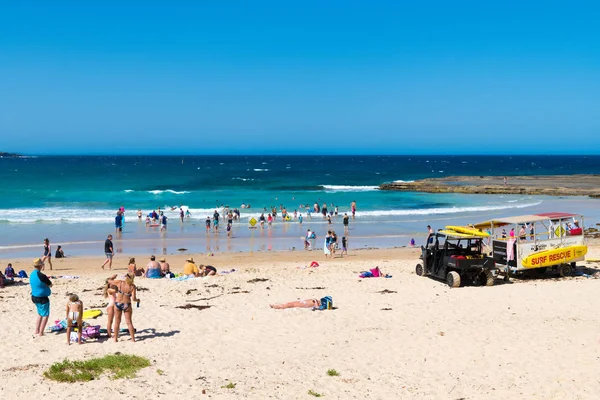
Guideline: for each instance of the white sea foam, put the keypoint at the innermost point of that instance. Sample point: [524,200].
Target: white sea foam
[261,169]
[344,188]
[129,191]
[167,191]
[445,210]
[242,179]
[57,215]
[401,181]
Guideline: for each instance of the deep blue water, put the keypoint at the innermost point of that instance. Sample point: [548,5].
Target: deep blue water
[91,182]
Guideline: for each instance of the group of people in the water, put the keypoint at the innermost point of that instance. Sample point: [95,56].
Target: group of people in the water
[157,218]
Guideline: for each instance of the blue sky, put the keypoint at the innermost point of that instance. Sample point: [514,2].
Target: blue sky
[327,77]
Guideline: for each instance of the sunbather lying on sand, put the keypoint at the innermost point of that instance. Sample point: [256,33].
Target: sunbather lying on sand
[308,303]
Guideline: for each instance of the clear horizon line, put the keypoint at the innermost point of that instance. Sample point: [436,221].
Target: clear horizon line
[213,154]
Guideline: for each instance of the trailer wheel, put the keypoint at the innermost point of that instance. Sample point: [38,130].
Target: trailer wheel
[419,270]
[486,278]
[565,270]
[453,279]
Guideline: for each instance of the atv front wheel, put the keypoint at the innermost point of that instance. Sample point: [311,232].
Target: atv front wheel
[419,270]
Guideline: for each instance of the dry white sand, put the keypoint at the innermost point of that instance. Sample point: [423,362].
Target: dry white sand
[533,339]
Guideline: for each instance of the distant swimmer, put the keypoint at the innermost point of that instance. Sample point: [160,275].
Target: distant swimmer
[353,208]
[139,214]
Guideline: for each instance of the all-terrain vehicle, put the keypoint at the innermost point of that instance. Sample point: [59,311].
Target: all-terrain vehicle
[457,258]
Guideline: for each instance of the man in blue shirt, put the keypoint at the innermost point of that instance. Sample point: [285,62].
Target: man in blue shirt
[40,295]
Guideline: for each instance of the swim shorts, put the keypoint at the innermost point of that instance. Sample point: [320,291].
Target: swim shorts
[109,255]
[43,309]
[42,304]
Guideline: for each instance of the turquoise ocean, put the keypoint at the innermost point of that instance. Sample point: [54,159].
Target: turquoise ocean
[73,200]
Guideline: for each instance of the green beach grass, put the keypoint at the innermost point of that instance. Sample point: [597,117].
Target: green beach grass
[118,365]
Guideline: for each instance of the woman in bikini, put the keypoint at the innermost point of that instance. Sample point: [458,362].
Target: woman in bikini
[47,257]
[125,296]
[133,269]
[109,293]
[74,318]
[308,303]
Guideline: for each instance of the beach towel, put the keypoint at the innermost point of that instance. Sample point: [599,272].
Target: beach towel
[227,272]
[75,337]
[510,249]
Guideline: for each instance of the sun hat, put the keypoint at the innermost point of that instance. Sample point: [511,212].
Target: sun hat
[163,260]
[38,262]
[190,259]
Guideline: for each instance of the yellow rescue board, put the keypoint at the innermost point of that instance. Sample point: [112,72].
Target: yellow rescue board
[456,234]
[551,257]
[468,230]
[88,314]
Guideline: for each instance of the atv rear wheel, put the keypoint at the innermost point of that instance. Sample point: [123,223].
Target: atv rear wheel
[565,270]
[486,278]
[453,279]
[419,270]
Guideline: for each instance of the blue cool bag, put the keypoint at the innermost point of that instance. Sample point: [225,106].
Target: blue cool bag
[326,303]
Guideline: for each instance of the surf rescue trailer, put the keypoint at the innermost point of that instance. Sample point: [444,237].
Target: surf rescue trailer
[457,257]
[551,240]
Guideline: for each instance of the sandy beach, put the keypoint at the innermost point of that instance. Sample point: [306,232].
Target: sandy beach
[404,337]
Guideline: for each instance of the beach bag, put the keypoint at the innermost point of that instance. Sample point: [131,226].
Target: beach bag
[22,274]
[326,303]
[91,332]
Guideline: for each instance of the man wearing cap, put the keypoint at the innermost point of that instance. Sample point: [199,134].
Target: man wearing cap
[190,268]
[40,295]
[165,268]
[153,268]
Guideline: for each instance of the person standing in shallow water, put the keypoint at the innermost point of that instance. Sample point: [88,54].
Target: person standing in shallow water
[353,208]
